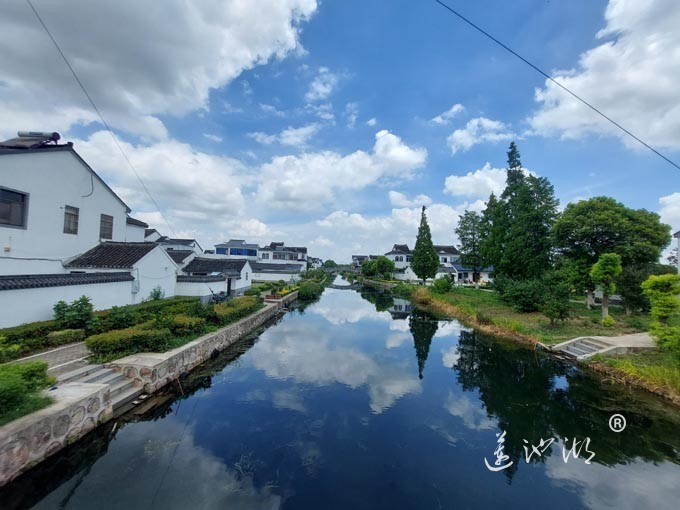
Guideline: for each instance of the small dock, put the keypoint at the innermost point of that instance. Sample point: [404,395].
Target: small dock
[584,347]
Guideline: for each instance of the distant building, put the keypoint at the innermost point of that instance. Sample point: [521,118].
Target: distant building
[135,230]
[315,262]
[207,276]
[180,244]
[400,254]
[237,248]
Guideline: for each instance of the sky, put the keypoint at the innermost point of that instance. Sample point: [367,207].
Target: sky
[329,124]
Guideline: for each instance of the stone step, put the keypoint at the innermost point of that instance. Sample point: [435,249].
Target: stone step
[110,379]
[597,344]
[586,347]
[575,350]
[120,385]
[96,376]
[123,400]
[78,373]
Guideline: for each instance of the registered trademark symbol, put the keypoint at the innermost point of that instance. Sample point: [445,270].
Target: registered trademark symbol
[617,422]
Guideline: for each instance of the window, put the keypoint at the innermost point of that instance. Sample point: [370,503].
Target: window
[71,219]
[246,276]
[408,258]
[265,256]
[244,252]
[13,208]
[444,259]
[106,227]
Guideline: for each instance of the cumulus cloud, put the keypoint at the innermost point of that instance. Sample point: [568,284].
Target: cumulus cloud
[311,180]
[670,210]
[322,86]
[480,183]
[444,118]
[631,76]
[476,131]
[371,122]
[134,82]
[399,199]
[293,137]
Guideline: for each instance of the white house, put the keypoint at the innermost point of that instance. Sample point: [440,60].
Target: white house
[53,205]
[275,272]
[279,253]
[400,254]
[179,244]
[135,230]
[237,249]
[204,276]
[149,264]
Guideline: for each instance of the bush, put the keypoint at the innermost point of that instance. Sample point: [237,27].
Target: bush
[524,296]
[309,291]
[557,289]
[156,294]
[403,289]
[78,315]
[121,317]
[120,342]
[236,309]
[20,385]
[183,325]
[65,336]
[667,337]
[442,285]
[608,321]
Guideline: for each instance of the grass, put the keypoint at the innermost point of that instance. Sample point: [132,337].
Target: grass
[487,309]
[656,368]
[30,404]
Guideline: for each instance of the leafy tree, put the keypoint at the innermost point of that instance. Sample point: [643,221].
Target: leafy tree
[369,267]
[384,267]
[493,231]
[604,273]
[673,257]
[425,260]
[469,232]
[330,264]
[662,291]
[589,228]
[557,291]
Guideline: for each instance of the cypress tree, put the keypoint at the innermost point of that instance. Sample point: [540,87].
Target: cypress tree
[425,260]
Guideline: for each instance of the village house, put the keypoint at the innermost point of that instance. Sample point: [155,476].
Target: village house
[205,277]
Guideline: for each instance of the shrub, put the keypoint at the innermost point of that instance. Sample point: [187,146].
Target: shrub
[183,325]
[8,351]
[309,291]
[19,388]
[125,341]
[156,294]
[403,289]
[482,318]
[78,315]
[236,309]
[442,285]
[557,289]
[525,295]
[608,321]
[65,336]
[121,317]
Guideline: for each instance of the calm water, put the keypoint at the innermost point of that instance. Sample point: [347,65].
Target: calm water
[352,403]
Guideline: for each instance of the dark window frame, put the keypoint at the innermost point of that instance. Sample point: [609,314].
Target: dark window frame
[74,212]
[26,202]
[102,232]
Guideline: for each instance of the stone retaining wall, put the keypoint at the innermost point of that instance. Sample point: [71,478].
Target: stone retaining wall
[78,408]
[155,370]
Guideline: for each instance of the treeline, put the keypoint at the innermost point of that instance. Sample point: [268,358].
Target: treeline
[542,257]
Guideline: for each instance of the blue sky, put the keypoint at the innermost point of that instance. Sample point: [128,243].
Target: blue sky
[313,122]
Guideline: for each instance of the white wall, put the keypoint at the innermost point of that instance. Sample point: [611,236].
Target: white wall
[155,269]
[275,277]
[54,179]
[399,264]
[134,233]
[246,281]
[29,305]
[30,266]
[200,289]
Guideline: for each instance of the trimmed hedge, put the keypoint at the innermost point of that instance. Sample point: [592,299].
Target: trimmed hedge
[184,325]
[236,309]
[120,342]
[20,386]
[65,336]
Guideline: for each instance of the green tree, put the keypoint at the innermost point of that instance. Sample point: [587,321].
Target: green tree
[589,228]
[604,273]
[425,259]
[330,264]
[662,291]
[384,267]
[469,232]
[493,228]
[369,267]
[557,291]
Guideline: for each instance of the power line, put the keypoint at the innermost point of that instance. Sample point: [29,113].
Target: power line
[101,117]
[546,75]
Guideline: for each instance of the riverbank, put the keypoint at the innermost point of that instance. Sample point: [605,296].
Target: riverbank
[658,373]
[80,407]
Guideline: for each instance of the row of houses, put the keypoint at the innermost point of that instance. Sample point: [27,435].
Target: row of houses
[65,233]
[449,260]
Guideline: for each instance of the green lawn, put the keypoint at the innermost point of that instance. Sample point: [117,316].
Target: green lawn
[661,369]
[487,308]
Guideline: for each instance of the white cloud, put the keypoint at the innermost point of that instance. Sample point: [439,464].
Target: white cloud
[322,86]
[293,137]
[352,113]
[324,111]
[399,199]
[480,183]
[214,138]
[132,81]
[371,122]
[476,131]
[472,412]
[631,76]
[444,118]
[271,110]
[670,210]
[311,180]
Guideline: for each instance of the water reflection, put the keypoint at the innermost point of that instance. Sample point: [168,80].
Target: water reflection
[358,401]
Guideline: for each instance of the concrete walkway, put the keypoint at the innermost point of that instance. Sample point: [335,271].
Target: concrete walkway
[586,346]
[62,359]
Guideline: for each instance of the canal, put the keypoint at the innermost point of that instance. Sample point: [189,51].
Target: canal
[357,402]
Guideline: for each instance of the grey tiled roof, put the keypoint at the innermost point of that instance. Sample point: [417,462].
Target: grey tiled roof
[113,255]
[399,249]
[446,249]
[36,281]
[134,221]
[179,256]
[200,278]
[274,268]
[232,267]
